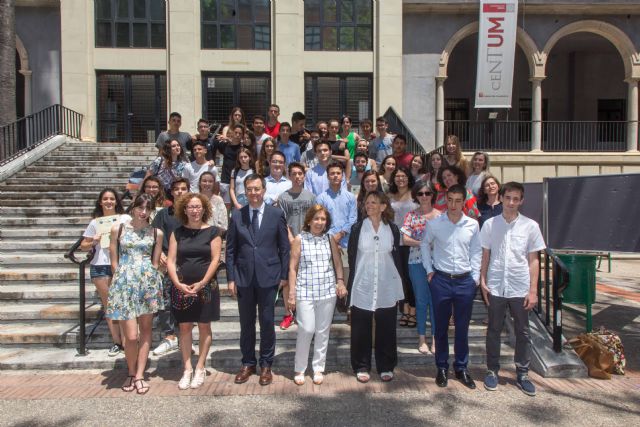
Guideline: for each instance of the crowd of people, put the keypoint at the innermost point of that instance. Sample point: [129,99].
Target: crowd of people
[326,217]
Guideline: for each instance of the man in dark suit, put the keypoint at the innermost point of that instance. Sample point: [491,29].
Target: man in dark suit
[257,263]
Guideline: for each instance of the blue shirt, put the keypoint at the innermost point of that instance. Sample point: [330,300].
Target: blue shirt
[317,181]
[342,208]
[291,151]
[487,212]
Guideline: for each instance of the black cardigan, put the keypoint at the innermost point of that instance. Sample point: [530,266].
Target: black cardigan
[352,252]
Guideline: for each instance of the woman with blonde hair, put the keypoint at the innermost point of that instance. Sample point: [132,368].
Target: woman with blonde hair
[479,170]
[315,279]
[453,154]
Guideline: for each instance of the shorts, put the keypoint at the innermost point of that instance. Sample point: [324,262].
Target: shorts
[224,192]
[96,271]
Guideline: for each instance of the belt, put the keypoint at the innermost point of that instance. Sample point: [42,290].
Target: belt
[452,276]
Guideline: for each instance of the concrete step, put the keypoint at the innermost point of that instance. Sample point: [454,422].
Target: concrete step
[48,221]
[37,195]
[61,189]
[100,156]
[58,245]
[40,232]
[48,292]
[56,211]
[79,169]
[221,357]
[57,181]
[38,175]
[27,274]
[93,163]
[17,259]
[39,203]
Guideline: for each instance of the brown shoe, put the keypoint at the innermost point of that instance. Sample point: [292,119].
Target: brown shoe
[244,374]
[265,376]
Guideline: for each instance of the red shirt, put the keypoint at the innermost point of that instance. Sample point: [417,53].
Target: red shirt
[272,131]
[404,160]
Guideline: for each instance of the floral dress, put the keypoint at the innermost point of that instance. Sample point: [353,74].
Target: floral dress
[137,285]
[167,175]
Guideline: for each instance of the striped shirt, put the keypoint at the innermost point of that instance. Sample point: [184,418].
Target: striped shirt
[316,278]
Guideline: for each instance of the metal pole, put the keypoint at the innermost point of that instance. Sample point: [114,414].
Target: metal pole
[82,346]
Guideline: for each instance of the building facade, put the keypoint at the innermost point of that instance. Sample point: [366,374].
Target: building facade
[124,64]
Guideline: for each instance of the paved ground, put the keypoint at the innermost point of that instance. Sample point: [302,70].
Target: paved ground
[49,398]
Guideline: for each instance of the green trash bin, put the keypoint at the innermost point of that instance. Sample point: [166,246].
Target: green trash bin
[582,279]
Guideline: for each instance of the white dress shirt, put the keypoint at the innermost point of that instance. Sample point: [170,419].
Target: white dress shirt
[275,187]
[377,283]
[456,247]
[510,244]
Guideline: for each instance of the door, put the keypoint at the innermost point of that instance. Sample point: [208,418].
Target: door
[131,106]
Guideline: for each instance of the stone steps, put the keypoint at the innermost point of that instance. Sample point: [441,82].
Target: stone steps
[76,221]
[45,292]
[48,203]
[30,212]
[58,188]
[79,169]
[55,180]
[61,245]
[26,234]
[88,196]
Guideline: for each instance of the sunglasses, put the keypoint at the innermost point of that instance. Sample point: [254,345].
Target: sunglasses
[424,193]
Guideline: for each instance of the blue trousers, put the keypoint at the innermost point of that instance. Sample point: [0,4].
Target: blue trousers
[248,298]
[424,303]
[452,295]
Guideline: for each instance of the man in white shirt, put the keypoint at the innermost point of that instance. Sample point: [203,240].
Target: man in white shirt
[200,165]
[277,183]
[453,270]
[509,278]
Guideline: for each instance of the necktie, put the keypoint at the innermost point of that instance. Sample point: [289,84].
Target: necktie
[254,222]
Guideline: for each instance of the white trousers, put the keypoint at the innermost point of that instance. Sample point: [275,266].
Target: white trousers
[314,318]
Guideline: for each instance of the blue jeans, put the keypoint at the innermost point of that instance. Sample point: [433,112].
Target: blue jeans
[452,295]
[424,303]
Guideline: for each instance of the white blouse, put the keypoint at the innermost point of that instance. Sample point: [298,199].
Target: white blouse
[377,283]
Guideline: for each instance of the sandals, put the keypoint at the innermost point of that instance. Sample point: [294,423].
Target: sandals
[404,319]
[411,321]
[141,386]
[386,376]
[298,379]
[128,384]
[318,378]
[363,377]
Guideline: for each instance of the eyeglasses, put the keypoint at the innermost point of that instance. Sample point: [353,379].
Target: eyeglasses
[424,193]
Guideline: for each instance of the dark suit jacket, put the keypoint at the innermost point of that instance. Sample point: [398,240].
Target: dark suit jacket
[266,255]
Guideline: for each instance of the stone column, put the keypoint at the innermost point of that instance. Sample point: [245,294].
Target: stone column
[632,114]
[27,91]
[440,111]
[536,113]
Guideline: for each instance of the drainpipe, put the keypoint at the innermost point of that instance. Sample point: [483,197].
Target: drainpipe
[168,56]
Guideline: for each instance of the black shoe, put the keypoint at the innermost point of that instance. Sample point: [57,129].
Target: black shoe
[465,378]
[441,378]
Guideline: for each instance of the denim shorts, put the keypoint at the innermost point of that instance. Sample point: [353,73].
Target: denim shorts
[100,271]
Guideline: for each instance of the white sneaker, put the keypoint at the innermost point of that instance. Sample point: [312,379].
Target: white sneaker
[198,378]
[185,381]
[167,345]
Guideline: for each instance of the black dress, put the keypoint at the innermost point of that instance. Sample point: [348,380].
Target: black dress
[192,260]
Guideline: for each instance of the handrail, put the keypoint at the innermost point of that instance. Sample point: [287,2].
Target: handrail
[397,125]
[16,138]
[82,340]
[551,284]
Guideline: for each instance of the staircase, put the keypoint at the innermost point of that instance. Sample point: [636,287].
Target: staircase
[47,206]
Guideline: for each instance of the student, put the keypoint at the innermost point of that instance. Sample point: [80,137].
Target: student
[200,165]
[236,117]
[173,133]
[204,135]
[258,131]
[290,149]
[366,126]
[166,221]
[479,170]
[451,255]
[339,152]
[358,166]
[299,134]
[348,136]
[230,156]
[272,127]
[276,183]
[509,279]
[381,146]
[316,179]
[169,165]
[308,158]
[403,158]
[453,154]
[294,202]
[245,166]
[262,164]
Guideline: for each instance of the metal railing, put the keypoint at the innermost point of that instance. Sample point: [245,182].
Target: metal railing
[572,136]
[398,126]
[28,132]
[584,136]
[490,135]
[82,336]
[553,279]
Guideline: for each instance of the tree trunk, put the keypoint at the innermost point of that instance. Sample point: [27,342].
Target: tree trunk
[8,62]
